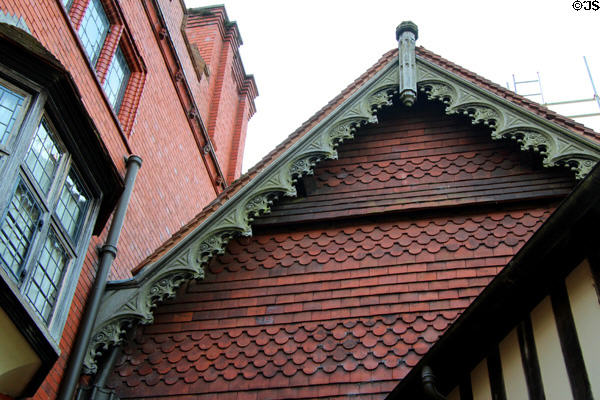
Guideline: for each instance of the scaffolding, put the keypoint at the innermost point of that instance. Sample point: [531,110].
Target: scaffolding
[527,83]
[538,82]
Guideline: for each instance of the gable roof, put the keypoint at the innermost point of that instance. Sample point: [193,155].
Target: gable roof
[348,304]
[391,55]
[559,140]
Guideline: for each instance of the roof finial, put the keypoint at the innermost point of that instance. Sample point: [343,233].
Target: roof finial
[407,26]
[406,34]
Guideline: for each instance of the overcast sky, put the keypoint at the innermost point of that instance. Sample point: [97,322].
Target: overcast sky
[303,53]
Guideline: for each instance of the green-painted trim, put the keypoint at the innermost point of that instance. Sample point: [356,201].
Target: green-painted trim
[556,144]
[132,301]
[127,303]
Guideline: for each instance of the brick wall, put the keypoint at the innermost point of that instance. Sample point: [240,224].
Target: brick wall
[230,90]
[173,184]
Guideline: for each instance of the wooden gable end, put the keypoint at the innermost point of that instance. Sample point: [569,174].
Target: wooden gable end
[341,291]
[419,158]
[556,140]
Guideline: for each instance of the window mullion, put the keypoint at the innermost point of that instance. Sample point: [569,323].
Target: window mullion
[61,176]
[36,244]
[20,230]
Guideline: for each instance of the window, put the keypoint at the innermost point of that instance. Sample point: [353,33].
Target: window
[45,220]
[116,79]
[11,107]
[112,54]
[93,30]
[59,185]
[18,227]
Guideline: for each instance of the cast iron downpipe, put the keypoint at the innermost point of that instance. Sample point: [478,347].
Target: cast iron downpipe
[428,379]
[107,255]
[98,389]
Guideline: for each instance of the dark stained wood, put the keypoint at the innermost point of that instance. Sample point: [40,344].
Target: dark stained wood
[495,374]
[466,389]
[580,384]
[531,364]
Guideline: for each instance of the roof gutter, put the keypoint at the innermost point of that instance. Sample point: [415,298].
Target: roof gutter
[107,256]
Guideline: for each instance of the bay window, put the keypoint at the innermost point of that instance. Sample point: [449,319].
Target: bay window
[46,208]
[58,186]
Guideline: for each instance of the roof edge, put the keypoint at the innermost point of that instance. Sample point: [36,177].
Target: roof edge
[130,302]
[556,144]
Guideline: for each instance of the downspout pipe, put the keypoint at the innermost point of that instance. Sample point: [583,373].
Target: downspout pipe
[428,380]
[98,389]
[109,363]
[108,253]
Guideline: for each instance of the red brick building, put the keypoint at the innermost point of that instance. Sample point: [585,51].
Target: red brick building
[343,263]
[424,220]
[85,84]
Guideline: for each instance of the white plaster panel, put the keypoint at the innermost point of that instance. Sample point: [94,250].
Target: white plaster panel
[552,364]
[586,313]
[512,367]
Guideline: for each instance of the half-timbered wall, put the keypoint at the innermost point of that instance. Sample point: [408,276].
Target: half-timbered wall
[552,354]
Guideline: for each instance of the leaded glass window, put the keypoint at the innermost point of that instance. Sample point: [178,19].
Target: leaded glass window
[10,107]
[72,205]
[18,228]
[93,29]
[43,156]
[49,199]
[42,219]
[47,275]
[116,79]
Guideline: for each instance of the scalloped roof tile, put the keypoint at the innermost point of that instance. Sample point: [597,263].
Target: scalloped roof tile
[323,112]
[309,311]
[396,310]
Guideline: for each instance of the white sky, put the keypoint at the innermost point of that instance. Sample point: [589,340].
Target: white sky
[303,53]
